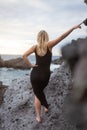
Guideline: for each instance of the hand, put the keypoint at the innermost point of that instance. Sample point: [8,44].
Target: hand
[77,26]
[32,66]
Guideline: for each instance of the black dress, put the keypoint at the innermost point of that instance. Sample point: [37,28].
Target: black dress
[40,76]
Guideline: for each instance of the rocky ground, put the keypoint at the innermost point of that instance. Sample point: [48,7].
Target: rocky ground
[17,111]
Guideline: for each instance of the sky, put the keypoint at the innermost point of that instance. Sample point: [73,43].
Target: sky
[21,20]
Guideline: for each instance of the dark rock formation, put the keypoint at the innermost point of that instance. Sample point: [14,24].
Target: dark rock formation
[17,63]
[85,1]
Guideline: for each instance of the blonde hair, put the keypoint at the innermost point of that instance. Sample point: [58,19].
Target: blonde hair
[42,39]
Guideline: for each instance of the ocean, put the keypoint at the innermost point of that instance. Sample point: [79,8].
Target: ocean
[8,75]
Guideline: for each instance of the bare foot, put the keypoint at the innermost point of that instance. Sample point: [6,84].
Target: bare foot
[45,110]
[38,119]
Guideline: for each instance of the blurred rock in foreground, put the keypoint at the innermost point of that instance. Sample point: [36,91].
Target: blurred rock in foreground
[76,103]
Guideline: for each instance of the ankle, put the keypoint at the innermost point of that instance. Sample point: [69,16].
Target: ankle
[38,119]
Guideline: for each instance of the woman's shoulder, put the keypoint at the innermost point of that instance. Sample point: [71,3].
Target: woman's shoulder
[34,46]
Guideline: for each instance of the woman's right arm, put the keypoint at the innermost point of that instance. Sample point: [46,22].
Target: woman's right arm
[64,35]
[26,54]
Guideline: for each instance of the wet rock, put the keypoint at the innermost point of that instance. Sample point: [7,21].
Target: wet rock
[16,63]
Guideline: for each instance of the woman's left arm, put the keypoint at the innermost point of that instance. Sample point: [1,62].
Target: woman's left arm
[26,54]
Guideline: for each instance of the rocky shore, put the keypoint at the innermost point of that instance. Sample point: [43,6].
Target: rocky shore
[17,111]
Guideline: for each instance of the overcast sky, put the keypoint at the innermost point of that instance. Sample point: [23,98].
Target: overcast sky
[21,20]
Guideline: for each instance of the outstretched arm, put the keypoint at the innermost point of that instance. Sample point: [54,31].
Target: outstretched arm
[64,35]
[26,54]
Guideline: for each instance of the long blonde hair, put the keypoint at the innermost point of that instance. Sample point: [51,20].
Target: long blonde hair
[42,39]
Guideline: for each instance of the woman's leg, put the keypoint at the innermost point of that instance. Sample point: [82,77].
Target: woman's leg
[38,109]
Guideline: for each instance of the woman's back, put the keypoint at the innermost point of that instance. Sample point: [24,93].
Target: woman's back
[43,60]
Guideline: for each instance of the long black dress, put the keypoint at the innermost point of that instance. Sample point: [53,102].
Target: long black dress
[40,76]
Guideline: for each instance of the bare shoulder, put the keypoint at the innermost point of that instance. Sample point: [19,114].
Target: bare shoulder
[50,44]
[30,50]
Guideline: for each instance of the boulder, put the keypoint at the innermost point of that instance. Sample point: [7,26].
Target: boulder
[17,63]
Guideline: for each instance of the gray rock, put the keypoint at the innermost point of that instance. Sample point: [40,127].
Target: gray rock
[18,112]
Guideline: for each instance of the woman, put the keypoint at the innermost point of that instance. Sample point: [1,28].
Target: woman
[40,73]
